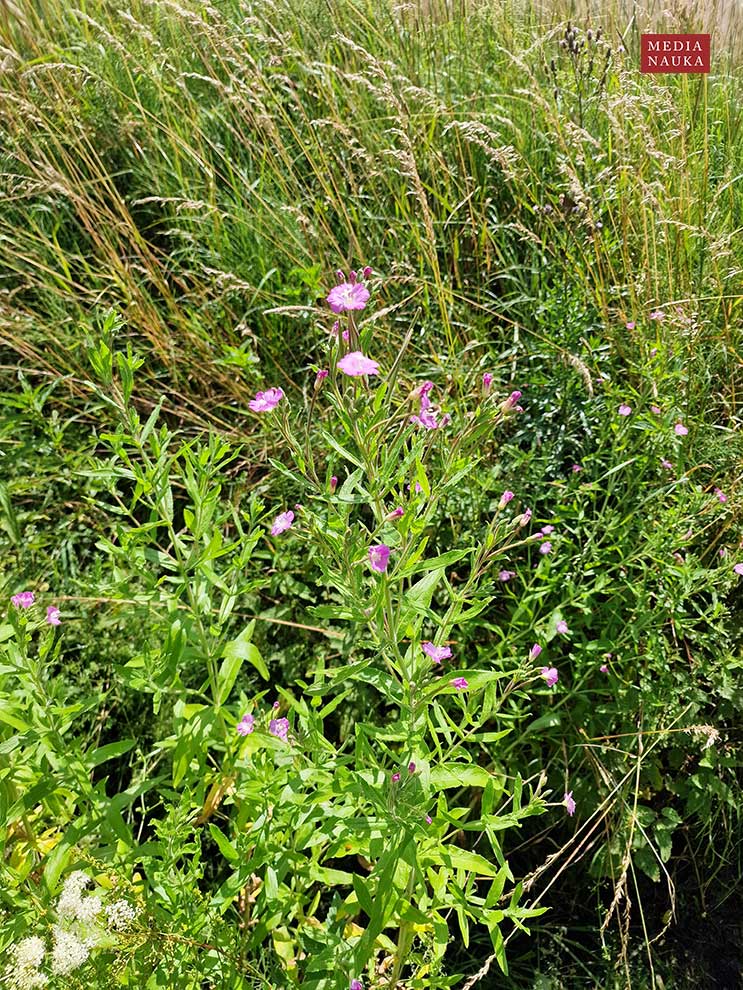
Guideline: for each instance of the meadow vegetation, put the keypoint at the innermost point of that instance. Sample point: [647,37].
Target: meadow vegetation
[370,506]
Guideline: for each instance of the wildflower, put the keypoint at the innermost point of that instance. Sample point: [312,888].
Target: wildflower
[569,803]
[505,499]
[546,547]
[356,985]
[630,325]
[657,314]
[459,683]
[487,381]
[418,488]
[550,675]
[69,900]
[379,557]
[357,364]
[604,668]
[23,973]
[655,410]
[411,767]
[738,569]
[322,374]
[68,952]
[547,530]
[428,417]
[624,410]
[506,575]
[282,522]
[721,496]
[428,819]
[120,914]
[436,653]
[562,627]
[333,484]
[680,430]
[347,296]
[667,465]
[511,403]
[367,271]
[395,777]
[535,651]
[576,468]
[24,600]
[279,727]
[266,401]
[52,615]
[246,725]
[395,514]
[421,392]
[524,518]
[88,909]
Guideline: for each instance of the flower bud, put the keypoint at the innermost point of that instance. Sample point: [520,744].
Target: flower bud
[333,484]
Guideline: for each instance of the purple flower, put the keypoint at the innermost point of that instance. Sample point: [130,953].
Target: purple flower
[505,499]
[630,325]
[436,653]
[721,496]
[459,683]
[357,364]
[547,530]
[395,514]
[333,484]
[524,518]
[52,615]
[624,410]
[506,575]
[24,600]
[348,295]
[680,430]
[511,403]
[379,557]
[395,777]
[245,726]
[487,381]
[546,547]
[569,803]
[657,314]
[604,668]
[550,675]
[576,468]
[655,410]
[356,984]
[738,568]
[535,651]
[266,401]
[279,727]
[411,767]
[282,522]
[667,465]
[322,373]
[562,627]
[428,819]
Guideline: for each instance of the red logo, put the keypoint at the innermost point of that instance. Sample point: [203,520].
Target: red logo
[674,53]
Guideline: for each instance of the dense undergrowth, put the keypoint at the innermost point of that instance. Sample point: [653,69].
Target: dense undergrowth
[279,754]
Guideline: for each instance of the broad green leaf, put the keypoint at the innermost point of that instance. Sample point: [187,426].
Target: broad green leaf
[235,653]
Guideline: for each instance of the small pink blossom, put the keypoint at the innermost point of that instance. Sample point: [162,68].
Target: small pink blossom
[282,522]
[506,575]
[322,374]
[367,272]
[604,668]
[418,488]
[487,381]
[680,430]
[524,518]
[52,615]
[562,627]
[356,985]
[379,557]
[569,803]
[459,683]
[279,727]
[23,600]
[721,496]
[357,364]
[657,314]
[428,819]
[505,499]
[546,547]
[436,653]
[511,403]
[630,325]
[547,530]
[411,767]
[550,675]
[655,410]
[535,651]
[266,401]
[576,468]
[738,568]
[667,465]
[246,725]
[395,777]
[348,296]
[624,410]
[395,514]
[333,484]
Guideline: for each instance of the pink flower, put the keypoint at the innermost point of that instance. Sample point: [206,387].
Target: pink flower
[379,557]
[24,600]
[487,381]
[322,373]
[604,668]
[279,727]
[459,683]
[418,488]
[436,653]
[506,575]
[569,803]
[511,403]
[680,430]
[656,410]
[547,530]
[395,777]
[524,518]
[282,522]
[657,314]
[245,726]
[562,627]
[333,484]
[576,468]
[357,364]
[546,547]
[667,465]
[411,767]
[630,325]
[721,496]
[505,499]
[395,514]
[535,651]
[428,819]
[624,410]
[266,401]
[550,675]
[738,568]
[348,295]
[52,615]
[356,984]
[367,272]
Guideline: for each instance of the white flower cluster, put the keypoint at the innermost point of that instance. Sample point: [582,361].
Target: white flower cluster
[79,929]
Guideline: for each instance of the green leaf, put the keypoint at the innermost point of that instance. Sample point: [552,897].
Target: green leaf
[110,751]
[235,653]
[225,846]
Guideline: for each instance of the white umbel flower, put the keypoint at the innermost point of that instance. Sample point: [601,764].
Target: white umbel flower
[69,901]
[120,914]
[68,952]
